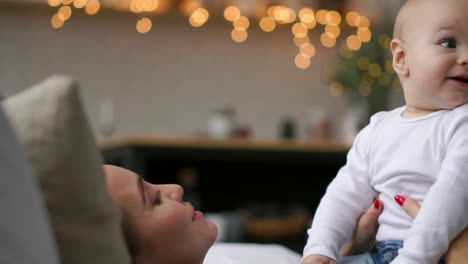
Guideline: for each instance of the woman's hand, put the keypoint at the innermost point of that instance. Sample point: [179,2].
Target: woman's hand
[366,228]
[318,259]
[458,250]
[363,238]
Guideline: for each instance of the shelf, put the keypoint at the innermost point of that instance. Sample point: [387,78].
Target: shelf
[243,144]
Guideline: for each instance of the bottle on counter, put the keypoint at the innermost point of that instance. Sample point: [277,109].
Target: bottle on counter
[288,128]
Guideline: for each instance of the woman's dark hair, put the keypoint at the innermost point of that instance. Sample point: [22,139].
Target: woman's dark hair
[129,237]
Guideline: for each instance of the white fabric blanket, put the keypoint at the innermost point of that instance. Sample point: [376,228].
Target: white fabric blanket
[243,253]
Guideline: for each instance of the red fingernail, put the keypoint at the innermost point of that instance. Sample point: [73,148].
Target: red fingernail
[400,199]
[376,203]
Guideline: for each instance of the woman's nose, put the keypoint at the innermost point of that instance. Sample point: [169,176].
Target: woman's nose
[174,191]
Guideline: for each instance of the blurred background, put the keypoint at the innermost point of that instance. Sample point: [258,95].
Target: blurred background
[250,104]
[172,77]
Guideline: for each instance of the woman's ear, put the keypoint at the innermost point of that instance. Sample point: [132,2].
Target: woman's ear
[399,58]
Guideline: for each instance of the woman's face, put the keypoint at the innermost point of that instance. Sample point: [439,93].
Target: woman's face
[165,228]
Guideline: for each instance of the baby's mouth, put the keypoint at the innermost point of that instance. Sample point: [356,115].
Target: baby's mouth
[459,79]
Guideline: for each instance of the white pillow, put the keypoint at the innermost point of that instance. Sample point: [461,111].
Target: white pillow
[54,131]
[25,234]
[244,253]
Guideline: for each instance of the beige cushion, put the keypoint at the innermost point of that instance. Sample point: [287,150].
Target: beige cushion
[52,127]
[21,240]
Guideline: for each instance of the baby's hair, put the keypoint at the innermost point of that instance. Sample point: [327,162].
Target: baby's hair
[402,17]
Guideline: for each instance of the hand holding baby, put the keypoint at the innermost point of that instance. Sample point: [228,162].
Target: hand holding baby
[318,259]
[364,236]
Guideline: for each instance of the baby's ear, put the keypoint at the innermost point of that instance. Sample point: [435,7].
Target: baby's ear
[399,58]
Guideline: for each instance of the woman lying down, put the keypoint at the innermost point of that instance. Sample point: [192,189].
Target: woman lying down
[160,228]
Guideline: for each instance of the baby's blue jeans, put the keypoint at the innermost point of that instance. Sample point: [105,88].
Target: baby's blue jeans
[383,253]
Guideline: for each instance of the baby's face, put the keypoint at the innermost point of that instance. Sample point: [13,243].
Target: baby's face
[436,40]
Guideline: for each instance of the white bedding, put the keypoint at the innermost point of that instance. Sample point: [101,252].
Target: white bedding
[243,253]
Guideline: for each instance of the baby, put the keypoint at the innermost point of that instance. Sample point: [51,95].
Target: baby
[419,150]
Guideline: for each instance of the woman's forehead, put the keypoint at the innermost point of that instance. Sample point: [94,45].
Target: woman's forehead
[120,180]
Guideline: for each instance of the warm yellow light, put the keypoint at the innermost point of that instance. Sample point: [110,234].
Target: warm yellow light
[353,42]
[135,6]
[291,16]
[351,18]
[154,5]
[54,2]
[267,24]
[231,13]
[199,17]
[271,11]
[242,22]
[148,5]
[299,30]
[389,66]
[310,25]
[67,2]
[144,25]
[346,52]
[396,84]
[307,49]
[163,6]
[138,6]
[364,34]
[365,88]
[362,21]
[321,16]
[64,13]
[382,39]
[328,40]
[239,35]
[261,10]
[375,70]
[336,89]
[333,18]
[365,77]
[306,12]
[302,61]
[300,41]
[363,63]
[121,6]
[385,79]
[333,29]
[189,6]
[56,22]
[387,43]
[308,19]
[80,3]
[284,15]
[92,7]
[278,12]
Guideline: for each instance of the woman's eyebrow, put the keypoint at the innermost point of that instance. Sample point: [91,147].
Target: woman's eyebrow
[141,189]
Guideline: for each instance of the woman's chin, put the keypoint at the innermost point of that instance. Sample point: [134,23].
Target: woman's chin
[213,230]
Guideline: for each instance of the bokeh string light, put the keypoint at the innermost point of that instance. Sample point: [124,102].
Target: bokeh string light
[329,23]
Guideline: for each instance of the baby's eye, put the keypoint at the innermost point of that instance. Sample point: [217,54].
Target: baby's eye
[450,43]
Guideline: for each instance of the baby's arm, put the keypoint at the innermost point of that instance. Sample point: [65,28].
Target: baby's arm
[346,198]
[443,214]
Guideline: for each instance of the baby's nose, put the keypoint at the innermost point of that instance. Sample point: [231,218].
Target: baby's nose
[463,59]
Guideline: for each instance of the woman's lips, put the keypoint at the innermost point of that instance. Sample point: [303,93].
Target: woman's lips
[197,215]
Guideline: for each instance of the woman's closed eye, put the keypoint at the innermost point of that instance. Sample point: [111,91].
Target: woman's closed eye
[157,198]
[450,43]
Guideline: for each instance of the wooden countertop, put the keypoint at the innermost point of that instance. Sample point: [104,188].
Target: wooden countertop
[210,143]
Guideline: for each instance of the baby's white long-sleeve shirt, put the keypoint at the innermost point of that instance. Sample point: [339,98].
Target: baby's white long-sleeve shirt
[425,158]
